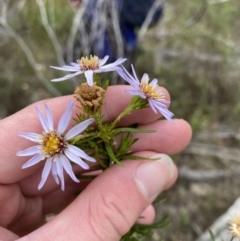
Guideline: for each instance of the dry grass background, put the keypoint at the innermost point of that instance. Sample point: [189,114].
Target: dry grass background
[193,51]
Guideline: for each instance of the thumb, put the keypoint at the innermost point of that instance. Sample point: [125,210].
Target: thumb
[112,203]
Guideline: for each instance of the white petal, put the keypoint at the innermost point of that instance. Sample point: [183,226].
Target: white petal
[134,73]
[30,136]
[68,168]
[126,76]
[163,110]
[42,119]
[29,151]
[34,160]
[45,173]
[79,128]
[76,159]
[54,172]
[159,104]
[108,69]
[80,153]
[65,119]
[49,117]
[166,101]
[154,83]
[145,79]
[66,68]
[75,65]
[166,113]
[122,73]
[117,62]
[104,60]
[89,77]
[136,92]
[152,106]
[60,172]
[69,76]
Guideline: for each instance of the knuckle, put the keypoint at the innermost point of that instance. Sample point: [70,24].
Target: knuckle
[108,217]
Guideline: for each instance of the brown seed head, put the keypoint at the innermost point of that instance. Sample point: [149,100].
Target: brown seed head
[89,95]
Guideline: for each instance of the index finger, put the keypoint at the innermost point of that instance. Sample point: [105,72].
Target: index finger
[26,120]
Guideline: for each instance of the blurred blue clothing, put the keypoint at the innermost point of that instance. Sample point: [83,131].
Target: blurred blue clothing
[132,14]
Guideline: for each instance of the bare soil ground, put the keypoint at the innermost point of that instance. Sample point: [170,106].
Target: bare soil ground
[192,205]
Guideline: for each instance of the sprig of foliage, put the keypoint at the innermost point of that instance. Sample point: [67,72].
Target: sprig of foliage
[212,235]
[139,232]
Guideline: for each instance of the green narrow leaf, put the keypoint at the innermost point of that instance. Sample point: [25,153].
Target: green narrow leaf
[134,157]
[125,144]
[159,201]
[112,155]
[105,85]
[99,160]
[139,232]
[131,130]
[212,235]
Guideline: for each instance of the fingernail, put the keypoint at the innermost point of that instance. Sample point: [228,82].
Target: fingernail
[152,176]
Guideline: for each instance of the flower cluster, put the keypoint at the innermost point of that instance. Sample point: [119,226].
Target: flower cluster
[89,140]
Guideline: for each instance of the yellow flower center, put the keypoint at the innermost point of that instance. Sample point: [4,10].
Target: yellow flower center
[149,91]
[91,63]
[53,144]
[235,227]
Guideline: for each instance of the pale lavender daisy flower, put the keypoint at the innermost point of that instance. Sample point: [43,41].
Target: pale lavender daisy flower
[149,91]
[53,146]
[88,66]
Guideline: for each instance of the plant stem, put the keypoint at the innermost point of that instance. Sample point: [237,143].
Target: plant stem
[127,111]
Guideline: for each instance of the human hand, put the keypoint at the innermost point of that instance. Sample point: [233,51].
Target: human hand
[107,206]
